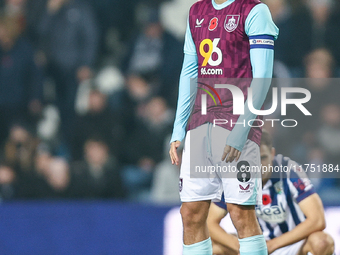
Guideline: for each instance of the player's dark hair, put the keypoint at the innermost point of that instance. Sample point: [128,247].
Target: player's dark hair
[266,139]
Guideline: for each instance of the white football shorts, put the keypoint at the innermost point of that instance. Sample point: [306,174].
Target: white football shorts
[204,176]
[292,249]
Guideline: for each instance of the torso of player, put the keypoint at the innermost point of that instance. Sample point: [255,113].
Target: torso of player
[222,45]
[274,208]
[280,212]
[222,48]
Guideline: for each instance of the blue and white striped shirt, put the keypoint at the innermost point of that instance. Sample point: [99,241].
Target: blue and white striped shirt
[280,211]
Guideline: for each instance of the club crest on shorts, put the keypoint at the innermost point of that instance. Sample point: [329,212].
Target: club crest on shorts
[231,22]
[180,184]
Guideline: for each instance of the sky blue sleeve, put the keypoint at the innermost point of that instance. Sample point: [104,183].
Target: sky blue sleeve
[189,45]
[187,89]
[260,22]
[262,61]
[260,28]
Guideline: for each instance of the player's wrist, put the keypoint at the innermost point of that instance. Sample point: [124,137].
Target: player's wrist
[276,244]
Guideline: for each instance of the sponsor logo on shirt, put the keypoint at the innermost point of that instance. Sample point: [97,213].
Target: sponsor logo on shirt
[199,22]
[212,55]
[211,71]
[262,42]
[271,214]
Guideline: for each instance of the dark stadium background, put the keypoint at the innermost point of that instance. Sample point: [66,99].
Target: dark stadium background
[88,92]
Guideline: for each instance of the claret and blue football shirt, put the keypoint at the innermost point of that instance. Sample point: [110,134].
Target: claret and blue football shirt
[231,40]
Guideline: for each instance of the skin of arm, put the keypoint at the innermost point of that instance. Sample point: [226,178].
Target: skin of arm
[217,233]
[315,221]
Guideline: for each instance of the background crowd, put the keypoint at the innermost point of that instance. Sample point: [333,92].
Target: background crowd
[88,92]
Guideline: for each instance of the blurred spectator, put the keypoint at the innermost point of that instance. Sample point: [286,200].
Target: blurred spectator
[147,139]
[144,147]
[98,176]
[68,33]
[98,121]
[8,183]
[27,13]
[117,15]
[42,159]
[333,32]
[33,13]
[20,148]
[20,155]
[20,77]
[156,53]
[295,26]
[129,101]
[95,177]
[57,178]
[319,66]
[320,10]
[317,156]
[16,9]
[165,183]
[328,135]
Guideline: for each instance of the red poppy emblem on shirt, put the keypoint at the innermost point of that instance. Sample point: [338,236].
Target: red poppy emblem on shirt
[213,24]
[266,199]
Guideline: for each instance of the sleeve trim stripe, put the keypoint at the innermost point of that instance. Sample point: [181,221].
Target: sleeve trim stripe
[305,195]
[270,37]
[261,46]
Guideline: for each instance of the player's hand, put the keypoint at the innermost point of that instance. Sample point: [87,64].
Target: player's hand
[173,152]
[230,154]
[271,246]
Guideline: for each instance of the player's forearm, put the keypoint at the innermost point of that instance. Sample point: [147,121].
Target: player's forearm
[218,235]
[262,63]
[300,232]
[186,97]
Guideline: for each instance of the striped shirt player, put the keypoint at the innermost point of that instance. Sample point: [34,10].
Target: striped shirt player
[225,39]
[280,212]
